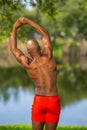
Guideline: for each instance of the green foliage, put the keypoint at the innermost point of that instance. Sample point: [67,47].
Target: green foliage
[29,127]
[73,17]
[57,51]
[67,18]
[10,11]
[69,21]
[16,127]
[45,6]
[7,17]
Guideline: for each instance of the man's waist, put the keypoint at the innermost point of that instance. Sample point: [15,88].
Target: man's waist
[45,92]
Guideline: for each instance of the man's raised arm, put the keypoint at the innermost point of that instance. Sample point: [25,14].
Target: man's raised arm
[13,47]
[47,45]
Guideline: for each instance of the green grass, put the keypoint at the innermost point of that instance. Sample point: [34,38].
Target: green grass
[29,127]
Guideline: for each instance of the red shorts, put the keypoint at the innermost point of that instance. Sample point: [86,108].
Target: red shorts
[46,109]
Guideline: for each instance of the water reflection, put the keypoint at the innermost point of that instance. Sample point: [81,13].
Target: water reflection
[13,78]
[17,91]
[72,83]
[16,111]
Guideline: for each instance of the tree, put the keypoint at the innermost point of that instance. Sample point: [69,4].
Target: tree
[67,16]
[73,17]
[10,11]
[7,17]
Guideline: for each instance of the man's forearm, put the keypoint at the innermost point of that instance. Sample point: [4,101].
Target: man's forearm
[39,28]
[13,41]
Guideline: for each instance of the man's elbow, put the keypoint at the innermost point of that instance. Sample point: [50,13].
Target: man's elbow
[12,49]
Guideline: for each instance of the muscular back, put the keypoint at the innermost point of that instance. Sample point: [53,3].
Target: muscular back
[43,73]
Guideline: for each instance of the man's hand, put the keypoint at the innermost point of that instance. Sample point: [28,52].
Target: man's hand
[17,24]
[20,21]
[23,20]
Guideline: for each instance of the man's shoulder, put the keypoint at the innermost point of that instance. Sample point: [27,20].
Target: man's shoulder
[45,58]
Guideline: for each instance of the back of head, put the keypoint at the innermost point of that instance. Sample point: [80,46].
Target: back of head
[33,46]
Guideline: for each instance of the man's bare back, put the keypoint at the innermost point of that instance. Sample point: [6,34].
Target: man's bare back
[43,72]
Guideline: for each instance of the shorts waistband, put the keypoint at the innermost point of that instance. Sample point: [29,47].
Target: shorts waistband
[44,96]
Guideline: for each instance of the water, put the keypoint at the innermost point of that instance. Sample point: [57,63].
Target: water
[74,114]
[16,111]
[17,92]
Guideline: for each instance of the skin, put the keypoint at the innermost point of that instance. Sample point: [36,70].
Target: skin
[41,67]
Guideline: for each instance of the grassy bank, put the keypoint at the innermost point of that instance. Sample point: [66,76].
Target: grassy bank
[29,127]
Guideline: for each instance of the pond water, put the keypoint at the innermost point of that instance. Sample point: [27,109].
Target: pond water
[17,92]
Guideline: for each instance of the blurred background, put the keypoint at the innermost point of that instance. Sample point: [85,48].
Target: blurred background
[66,22]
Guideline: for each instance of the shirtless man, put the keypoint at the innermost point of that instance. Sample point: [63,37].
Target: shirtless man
[41,68]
